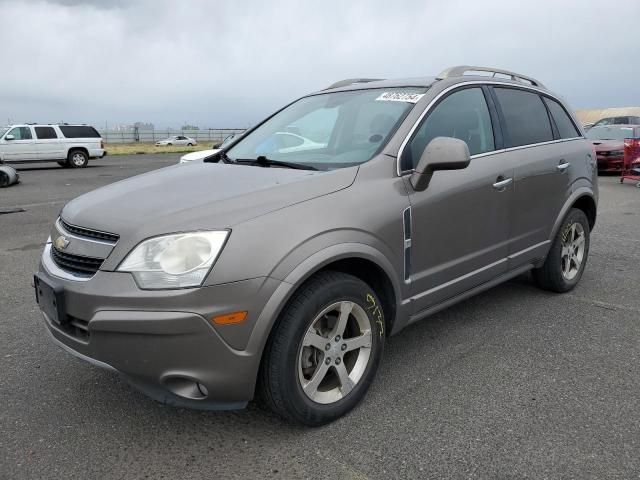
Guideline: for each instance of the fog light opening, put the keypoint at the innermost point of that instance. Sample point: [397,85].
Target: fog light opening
[186,387]
[203,390]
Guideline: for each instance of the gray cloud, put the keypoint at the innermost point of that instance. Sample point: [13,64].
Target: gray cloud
[227,64]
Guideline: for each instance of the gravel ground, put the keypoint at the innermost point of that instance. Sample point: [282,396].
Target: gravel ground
[514,383]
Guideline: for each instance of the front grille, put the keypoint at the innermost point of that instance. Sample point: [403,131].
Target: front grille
[77,264]
[88,233]
[613,153]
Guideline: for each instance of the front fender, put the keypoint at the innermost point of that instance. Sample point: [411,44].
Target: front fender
[306,269]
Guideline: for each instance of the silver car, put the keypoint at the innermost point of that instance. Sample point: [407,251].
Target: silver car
[279,275]
[176,140]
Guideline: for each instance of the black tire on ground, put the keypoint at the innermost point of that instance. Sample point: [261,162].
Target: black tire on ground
[550,275]
[77,159]
[189,144]
[279,385]
[169,144]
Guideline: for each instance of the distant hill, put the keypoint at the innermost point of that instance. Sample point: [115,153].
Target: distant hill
[592,115]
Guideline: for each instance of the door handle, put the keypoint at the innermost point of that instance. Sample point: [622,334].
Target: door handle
[563,165]
[502,183]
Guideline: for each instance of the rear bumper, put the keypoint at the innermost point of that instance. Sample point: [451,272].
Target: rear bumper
[97,153]
[175,356]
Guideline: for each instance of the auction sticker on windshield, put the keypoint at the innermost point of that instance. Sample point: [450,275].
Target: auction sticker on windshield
[409,97]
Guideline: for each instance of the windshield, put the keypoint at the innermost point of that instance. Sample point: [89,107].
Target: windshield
[3,130]
[610,132]
[330,130]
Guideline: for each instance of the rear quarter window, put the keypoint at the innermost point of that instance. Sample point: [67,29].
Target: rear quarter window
[79,131]
[566,128]
[526,118]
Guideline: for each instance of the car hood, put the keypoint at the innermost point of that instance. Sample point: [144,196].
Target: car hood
[197,196]
[608,145]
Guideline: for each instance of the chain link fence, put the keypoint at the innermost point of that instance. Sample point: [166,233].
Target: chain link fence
[134,135]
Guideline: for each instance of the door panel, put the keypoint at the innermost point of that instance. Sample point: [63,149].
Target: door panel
[460,230]
[542,186]
[23,148]
[48,146]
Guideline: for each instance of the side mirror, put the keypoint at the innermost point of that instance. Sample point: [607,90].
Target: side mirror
[9,137]
[442,153]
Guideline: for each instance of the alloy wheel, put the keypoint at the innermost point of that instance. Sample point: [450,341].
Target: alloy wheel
[335,351]
[573,248]
[78,159]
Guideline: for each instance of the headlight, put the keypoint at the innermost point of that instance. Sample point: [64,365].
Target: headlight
[174,261]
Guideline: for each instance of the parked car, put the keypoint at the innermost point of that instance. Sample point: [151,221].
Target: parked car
[176,140]
[284,142]
[69,145]
[609,144]
[280,274]
[215,148]
[621,120]
[202,154]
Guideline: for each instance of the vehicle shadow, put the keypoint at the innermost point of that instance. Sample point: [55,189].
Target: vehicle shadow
[22,168]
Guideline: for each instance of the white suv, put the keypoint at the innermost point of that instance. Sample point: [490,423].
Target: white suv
[69,145]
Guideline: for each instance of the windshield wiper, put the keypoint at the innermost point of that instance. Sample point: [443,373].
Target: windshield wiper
[265,162]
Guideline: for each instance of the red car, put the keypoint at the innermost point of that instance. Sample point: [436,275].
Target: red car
[609,143]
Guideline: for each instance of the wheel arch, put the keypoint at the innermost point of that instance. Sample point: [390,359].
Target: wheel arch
[583,199]
[80,148]
[360,260]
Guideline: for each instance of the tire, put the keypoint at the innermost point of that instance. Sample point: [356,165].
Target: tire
[77,159]
[189,144]
[169,144]
[568,255]
[305,348]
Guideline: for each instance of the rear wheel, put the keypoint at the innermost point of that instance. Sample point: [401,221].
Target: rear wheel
[78,159]
[567,257]
[324,351]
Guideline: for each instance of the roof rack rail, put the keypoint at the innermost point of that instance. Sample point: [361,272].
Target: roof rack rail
[460,70]
[351,81]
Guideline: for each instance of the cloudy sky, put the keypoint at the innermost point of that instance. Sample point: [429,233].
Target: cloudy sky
[230,63]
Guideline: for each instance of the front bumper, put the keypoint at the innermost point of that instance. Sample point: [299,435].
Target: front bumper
[610,164]
[162,341]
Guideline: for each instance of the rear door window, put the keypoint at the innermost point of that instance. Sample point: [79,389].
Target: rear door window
[463,115]
[45,133]
[566,128]
[526,118]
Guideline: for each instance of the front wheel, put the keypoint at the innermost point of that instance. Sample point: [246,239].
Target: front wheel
[324,351]
[78,159]
[567,257]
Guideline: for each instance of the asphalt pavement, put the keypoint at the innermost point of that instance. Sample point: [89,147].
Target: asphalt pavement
[513,383]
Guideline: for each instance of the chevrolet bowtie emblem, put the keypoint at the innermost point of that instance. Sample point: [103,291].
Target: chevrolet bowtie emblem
[61,242]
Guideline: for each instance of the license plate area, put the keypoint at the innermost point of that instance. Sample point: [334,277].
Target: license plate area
[50,298]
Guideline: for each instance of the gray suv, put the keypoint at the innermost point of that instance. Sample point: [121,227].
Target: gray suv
[278,267]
